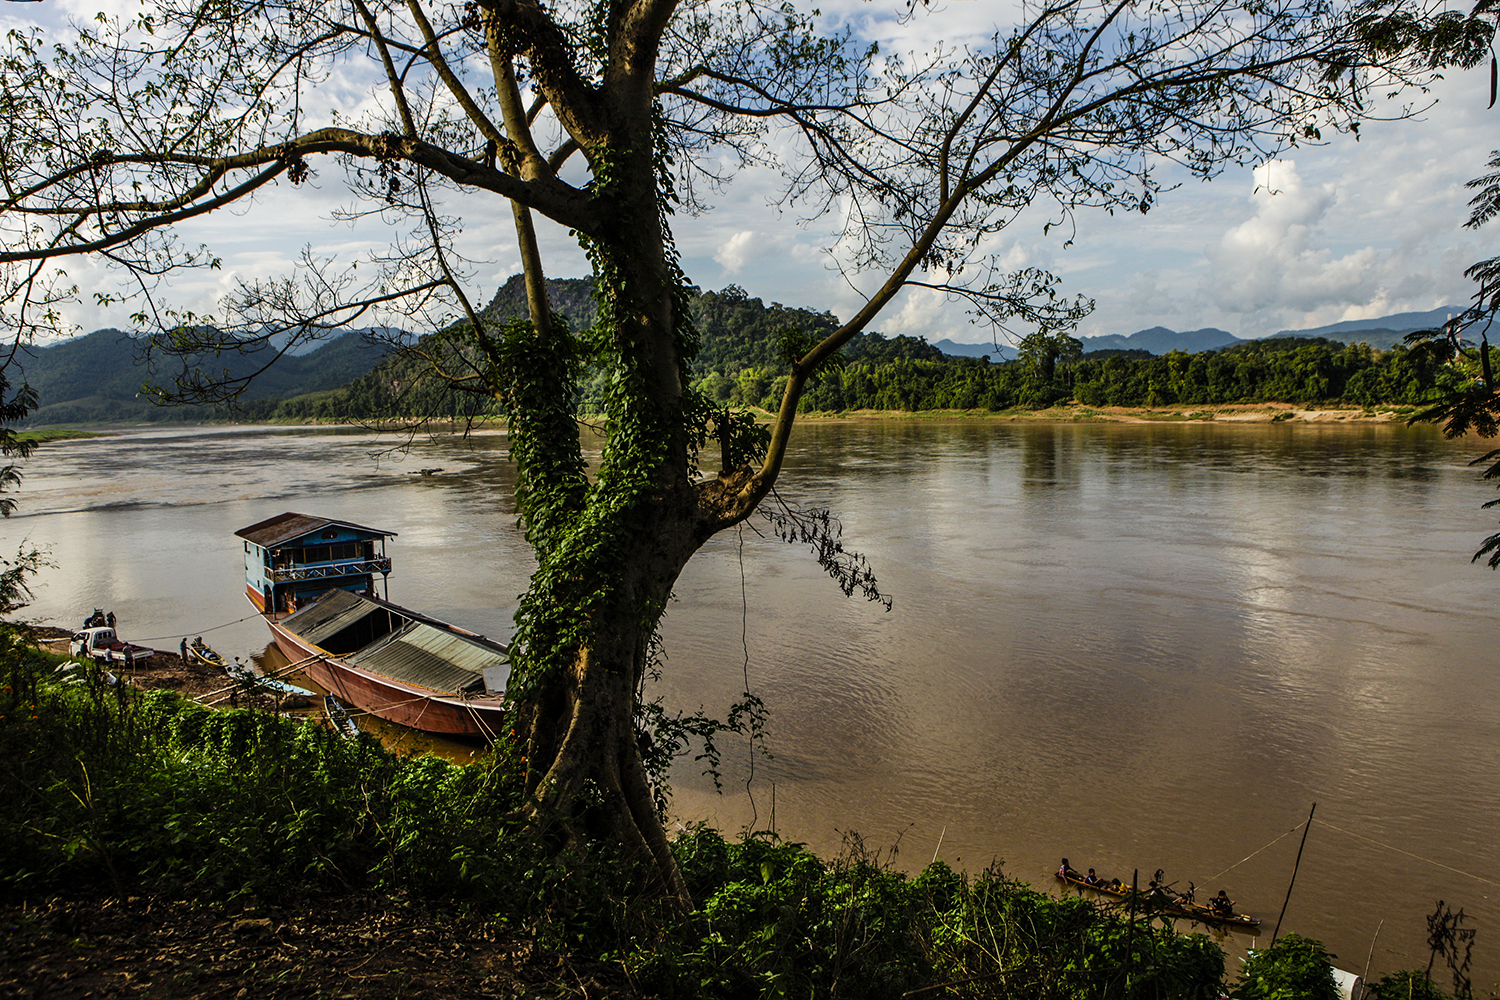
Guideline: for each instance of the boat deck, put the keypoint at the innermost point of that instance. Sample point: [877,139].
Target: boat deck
[393,642]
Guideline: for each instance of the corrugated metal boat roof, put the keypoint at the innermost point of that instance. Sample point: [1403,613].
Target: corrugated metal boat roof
[420,651]
[428,656]
[329,615]
[285,527]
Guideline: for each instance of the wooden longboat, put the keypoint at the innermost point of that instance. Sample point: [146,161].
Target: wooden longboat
[314,580]
[207,655]
[395,664]
[339,718]
[1170,904]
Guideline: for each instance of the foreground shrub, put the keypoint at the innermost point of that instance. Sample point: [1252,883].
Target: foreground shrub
[1408,984]
[777,921]
[117,791]
[1294,968]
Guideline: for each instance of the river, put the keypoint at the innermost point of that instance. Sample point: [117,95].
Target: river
[1136,646]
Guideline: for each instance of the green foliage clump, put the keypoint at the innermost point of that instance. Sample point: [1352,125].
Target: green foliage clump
[115,791]
[1408,984]
[1294,968]
[777,921]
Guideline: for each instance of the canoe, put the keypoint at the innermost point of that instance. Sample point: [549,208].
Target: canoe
[1168,903]
[339,719]
[205,654]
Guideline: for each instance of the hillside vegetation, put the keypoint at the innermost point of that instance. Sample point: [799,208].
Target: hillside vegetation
[742,362]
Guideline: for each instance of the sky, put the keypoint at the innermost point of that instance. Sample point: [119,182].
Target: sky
[1344,230]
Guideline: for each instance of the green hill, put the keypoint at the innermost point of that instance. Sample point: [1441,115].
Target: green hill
[98,378]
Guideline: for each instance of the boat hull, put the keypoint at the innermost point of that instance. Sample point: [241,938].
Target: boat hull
[208,657]
[1174,908]
[404,704]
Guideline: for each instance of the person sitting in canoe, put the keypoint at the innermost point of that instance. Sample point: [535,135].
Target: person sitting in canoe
[1067,871]
[1222,905]
[1091,878]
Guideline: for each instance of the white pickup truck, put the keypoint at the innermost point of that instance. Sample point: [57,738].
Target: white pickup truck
[105,647]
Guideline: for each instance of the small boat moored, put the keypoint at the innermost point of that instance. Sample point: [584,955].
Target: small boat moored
[339,718]
[206,655]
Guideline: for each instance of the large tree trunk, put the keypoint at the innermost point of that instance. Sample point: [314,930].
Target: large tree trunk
[586,781]
[616,563]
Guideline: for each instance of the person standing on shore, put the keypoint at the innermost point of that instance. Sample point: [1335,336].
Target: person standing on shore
[183,649]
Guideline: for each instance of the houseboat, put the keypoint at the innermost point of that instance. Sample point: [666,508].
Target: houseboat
[314,581]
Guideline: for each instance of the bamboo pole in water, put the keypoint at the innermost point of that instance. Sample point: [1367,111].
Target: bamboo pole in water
[1295,865]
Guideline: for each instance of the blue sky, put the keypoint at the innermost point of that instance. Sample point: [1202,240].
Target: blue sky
[1347,230]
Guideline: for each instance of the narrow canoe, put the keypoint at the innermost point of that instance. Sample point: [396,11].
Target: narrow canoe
[1168,903]
[339,718]
[205,654]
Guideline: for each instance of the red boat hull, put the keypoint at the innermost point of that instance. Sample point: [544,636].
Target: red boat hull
[404,704]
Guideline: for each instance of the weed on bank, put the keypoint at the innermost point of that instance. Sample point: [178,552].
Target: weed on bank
[114,792]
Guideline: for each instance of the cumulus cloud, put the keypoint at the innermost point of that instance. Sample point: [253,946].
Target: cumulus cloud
[1277,259]
[921,310]
[737,251]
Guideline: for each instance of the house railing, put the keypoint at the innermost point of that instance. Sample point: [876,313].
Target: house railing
[283,574]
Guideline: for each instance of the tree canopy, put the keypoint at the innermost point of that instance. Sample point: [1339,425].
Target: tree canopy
[606,118]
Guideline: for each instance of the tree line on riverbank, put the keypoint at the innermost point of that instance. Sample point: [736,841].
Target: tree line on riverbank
[743,363]
[1282,370]
[118,795]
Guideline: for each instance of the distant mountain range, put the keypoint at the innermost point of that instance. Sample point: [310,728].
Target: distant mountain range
[1382,333]
[1004,352]
[1160,340]
[97,378]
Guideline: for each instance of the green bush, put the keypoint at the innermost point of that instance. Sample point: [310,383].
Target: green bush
[1408,984]
[1294,968]
[776,921]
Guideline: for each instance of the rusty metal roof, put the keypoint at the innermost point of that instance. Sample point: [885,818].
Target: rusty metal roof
[420,651]
[430,657]
[328,616]
[284,528]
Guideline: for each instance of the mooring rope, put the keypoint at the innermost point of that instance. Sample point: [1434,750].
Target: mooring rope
[1372,840]
[1409,854]
[166,638]
[1249,856]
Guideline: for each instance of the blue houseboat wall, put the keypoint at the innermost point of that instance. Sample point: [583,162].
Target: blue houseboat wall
[292,559]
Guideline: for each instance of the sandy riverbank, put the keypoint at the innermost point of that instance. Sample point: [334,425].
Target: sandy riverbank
[1069,413]
[1074,413]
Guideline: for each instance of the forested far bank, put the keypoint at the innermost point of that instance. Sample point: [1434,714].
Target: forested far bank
[743,363]
[1282,370]
[905,374]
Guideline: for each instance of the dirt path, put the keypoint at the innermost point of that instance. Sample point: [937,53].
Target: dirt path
[350,947]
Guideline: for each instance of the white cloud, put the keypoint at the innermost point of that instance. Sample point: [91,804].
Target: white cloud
[737,251]
[1278,258]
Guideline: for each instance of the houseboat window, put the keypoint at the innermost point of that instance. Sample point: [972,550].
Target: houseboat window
[326,553]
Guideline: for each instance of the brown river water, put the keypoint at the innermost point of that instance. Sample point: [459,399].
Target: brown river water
[1136,646]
